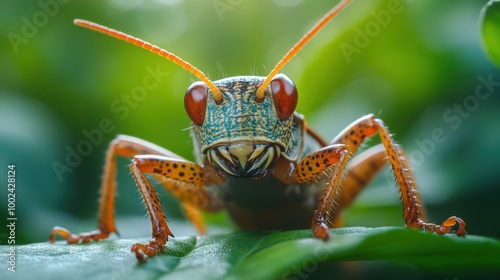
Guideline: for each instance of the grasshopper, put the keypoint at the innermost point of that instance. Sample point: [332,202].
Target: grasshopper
[256,158]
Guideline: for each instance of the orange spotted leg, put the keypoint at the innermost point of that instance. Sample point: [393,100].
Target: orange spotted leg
[176,169]
[346,143]
[361,170]
[184,179]
[310,168]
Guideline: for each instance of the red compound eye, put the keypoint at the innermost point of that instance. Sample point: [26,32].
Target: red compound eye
[195,102]
[285,96]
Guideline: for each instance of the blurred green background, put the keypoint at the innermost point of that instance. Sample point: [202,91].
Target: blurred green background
[415,64]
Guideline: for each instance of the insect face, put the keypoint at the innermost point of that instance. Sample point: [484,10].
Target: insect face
[241,134]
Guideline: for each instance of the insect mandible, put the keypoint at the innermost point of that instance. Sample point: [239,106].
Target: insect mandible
[256,158]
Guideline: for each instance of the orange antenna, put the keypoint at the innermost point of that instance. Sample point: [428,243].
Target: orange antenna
[157,50]
[298,46]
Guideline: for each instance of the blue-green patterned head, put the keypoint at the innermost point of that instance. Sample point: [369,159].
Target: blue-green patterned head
[240,134]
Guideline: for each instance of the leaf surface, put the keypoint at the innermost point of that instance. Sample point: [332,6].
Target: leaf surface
[259,255]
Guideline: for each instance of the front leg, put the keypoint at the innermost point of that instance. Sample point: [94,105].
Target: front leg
[190,192]
[310,168]
[346,143]
[185,173]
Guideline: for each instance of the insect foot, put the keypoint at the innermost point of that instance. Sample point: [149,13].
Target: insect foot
[84,237]
[320,230]
[445,227]
[151,249]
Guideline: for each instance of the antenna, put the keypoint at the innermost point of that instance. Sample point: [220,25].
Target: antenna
[157,50]
[259,95]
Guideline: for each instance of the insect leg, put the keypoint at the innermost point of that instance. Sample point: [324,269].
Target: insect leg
[414,214]
[125,146]
[358,175]
[187,175]
[312,167]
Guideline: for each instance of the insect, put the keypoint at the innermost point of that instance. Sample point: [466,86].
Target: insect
[256,158]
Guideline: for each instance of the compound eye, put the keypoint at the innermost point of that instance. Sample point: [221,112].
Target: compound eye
[285,96]
[195,102]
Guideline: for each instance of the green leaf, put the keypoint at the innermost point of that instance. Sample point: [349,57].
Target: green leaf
[260,255]
[490,28]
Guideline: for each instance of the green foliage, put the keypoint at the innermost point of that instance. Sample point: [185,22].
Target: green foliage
[260,255]
[490,29]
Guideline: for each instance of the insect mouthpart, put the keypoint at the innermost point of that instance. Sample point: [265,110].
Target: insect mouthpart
[244,159]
